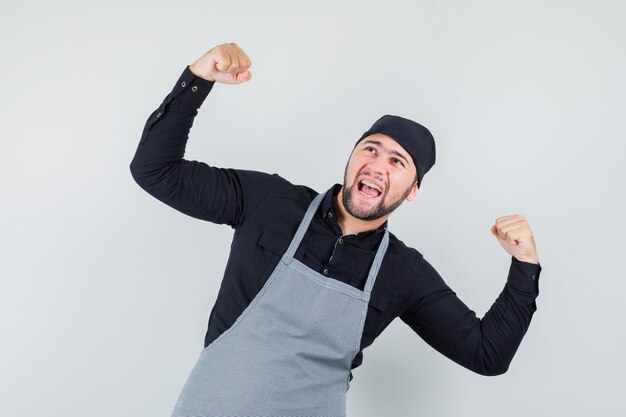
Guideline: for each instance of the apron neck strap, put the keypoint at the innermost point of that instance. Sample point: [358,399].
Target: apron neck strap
[304,225]
[378,259]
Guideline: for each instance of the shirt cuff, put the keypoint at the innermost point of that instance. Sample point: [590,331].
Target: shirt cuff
[524,276]
[190,91]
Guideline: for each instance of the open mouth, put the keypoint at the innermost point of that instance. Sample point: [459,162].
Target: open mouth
[369,189]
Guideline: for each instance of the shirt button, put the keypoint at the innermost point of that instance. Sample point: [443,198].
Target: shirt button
[340,241]
[330,215]
[159,114]
[533,277]
[194,88]
[183,84]
[325,271]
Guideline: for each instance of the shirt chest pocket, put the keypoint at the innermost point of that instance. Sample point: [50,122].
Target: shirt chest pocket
[273,242]
[270,246]
[379,301]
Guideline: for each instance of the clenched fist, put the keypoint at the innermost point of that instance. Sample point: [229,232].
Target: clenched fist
[226,63]
[514,235]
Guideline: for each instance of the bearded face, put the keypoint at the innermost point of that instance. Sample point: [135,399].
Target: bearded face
[381,203]
[379,176]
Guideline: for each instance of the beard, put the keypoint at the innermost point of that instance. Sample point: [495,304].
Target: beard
[379,210]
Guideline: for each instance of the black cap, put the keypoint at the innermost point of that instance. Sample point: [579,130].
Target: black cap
[412,136]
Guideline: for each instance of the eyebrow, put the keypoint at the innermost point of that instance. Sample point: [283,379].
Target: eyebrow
[391,151]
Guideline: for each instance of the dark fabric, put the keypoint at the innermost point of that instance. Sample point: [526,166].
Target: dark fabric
[265,209]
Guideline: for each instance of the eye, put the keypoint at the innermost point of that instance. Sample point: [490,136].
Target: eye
[398,162]
[370,149]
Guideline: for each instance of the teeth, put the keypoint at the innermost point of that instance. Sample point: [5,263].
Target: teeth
[372,185]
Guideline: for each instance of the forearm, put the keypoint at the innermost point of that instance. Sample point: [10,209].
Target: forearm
[164,137]
[486,345]
[503,327]
[218,195]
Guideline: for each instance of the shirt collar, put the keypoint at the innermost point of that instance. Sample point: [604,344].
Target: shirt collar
[330,217]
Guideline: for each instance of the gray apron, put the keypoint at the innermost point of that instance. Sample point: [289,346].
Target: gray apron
[289,354]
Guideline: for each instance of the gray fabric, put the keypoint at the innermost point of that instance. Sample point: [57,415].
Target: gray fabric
[290,352]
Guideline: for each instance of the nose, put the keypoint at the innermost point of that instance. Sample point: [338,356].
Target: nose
[378,167]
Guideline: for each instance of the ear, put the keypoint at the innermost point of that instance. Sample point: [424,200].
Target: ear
[411,195]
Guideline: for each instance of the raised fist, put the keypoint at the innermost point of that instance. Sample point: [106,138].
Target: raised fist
[226,63]
[513,233]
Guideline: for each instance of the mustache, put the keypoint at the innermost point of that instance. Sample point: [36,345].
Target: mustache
[369,174]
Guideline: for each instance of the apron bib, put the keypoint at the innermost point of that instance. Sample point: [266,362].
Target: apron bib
[289,353]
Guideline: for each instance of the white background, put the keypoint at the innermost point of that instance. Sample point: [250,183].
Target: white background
[105,292]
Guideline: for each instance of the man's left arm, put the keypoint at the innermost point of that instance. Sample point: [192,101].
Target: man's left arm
[486,345]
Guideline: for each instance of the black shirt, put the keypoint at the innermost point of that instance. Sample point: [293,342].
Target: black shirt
[265,210]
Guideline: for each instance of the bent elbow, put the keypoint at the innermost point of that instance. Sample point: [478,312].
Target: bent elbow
[493,371]
[491,363]
[135,172]
[143,178]
[493,367]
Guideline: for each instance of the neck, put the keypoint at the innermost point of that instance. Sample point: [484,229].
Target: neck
[351,225]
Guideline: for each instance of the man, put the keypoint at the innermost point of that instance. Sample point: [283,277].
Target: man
[313,279]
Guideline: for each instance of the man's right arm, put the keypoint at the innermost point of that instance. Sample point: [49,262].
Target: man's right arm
[219,195]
